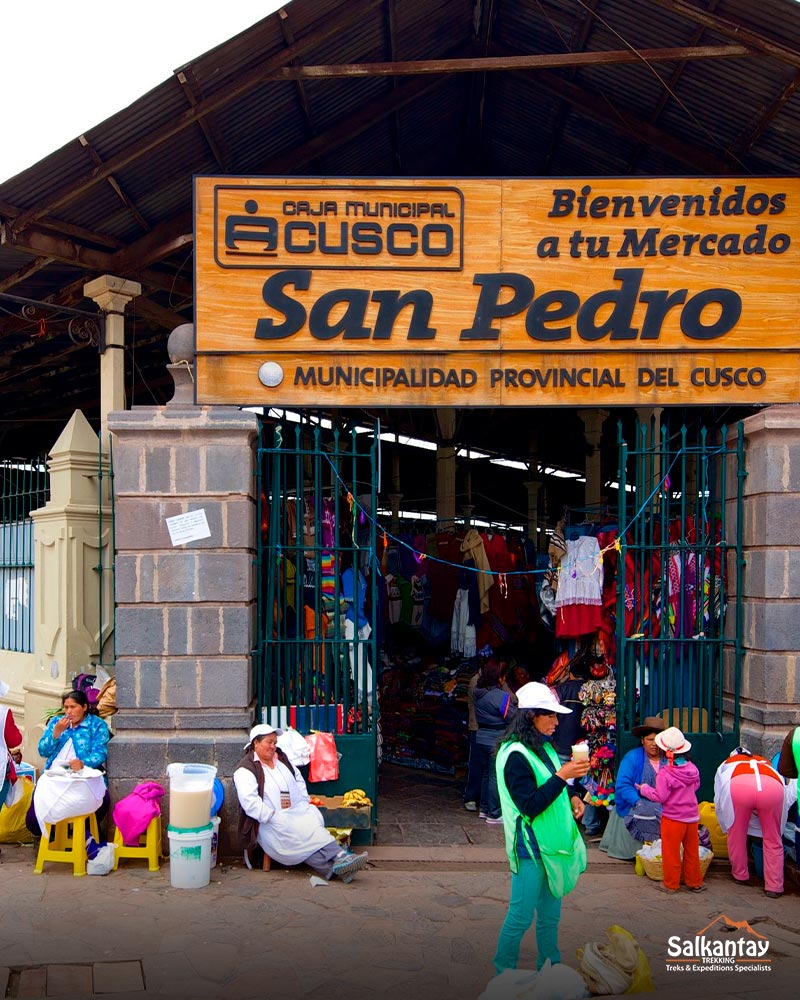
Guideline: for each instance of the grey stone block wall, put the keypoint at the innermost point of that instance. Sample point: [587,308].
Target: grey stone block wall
[185,620]
[770,679]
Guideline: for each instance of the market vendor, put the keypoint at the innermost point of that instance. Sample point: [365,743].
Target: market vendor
[635,819]
[75,746]
[275,813]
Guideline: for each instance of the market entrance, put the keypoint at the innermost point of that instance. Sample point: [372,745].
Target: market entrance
[366,630]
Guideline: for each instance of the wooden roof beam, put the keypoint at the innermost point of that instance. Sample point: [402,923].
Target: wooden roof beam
[481,64]
[161,242]
[744,143]
[731,29]
[24,272]
[326,27]
[577,43]
[630,126]
[11,212]
[341,132]
[288,37]
[186,79]
[115,185]
[390,34]
[483,18]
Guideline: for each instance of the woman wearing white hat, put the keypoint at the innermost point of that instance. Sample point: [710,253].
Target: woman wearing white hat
[276,815]
[545,849]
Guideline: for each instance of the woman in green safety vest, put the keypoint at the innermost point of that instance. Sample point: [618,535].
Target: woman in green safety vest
[540,812]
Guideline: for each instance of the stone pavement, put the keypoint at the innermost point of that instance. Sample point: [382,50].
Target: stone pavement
[420,922]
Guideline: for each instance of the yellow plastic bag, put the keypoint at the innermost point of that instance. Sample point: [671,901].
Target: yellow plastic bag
[12,818]
[642,981]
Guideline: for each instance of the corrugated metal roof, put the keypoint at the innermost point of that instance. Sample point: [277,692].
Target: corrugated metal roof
[232,116]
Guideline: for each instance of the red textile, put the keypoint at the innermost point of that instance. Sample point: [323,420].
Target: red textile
[13,736]
[574,620]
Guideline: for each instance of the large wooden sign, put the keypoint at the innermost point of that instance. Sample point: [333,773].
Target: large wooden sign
[497,292]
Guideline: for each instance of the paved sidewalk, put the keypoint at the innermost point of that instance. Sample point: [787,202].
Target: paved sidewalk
[419,923]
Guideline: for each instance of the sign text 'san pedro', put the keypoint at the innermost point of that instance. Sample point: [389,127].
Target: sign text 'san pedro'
[485,292]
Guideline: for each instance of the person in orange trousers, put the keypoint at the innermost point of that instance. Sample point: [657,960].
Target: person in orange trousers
[676,789]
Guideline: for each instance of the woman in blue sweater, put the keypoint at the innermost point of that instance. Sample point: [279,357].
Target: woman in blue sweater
[75,739]
[635,819]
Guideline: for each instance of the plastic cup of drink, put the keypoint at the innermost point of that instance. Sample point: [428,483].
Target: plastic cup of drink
[580,752]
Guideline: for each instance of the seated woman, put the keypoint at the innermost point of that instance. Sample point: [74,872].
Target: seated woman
[276,815]
[634,819]
[74,743]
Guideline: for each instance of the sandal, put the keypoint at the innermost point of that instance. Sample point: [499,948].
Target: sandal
[697,888]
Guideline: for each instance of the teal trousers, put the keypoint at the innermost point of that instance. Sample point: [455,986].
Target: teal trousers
[530,895]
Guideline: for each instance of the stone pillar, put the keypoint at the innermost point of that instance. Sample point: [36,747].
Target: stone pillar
[770,685]
[112,295]
[71,540]
[445,470]
[593,429]
[186,614]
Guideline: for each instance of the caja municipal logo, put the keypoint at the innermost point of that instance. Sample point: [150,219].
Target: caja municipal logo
[357,228]
[723,945]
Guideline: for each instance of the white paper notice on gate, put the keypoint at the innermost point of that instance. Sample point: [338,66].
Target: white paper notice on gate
[188,527]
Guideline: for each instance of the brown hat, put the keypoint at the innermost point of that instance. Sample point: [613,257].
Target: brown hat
[652,724]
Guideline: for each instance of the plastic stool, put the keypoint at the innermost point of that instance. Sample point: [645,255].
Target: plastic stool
[150,849]
[68,843]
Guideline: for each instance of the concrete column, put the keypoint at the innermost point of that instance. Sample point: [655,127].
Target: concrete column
[71,539]
[186,613]
[112,295]
[593,425]
[446,470]
[770,687]
[533,486]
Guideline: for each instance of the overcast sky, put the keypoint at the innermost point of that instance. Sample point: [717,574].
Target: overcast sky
[67,65]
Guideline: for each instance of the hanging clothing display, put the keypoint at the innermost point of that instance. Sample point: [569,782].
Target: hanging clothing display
[472,548]
[579,596]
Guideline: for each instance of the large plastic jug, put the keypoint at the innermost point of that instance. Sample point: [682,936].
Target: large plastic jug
[719,840]
[191,787]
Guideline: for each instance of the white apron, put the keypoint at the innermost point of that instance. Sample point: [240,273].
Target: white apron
[61,793]
[290,835]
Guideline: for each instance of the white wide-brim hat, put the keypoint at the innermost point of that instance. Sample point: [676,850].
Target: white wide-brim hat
[536,695]
[672,740]
[261,730]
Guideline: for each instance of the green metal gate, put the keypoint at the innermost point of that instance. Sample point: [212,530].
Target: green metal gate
[316,517]
[679,610]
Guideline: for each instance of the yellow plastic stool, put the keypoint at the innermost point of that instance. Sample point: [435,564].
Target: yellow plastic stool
[150,849]
[68,843]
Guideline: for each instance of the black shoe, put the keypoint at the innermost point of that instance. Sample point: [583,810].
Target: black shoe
[742,881]
[772,895]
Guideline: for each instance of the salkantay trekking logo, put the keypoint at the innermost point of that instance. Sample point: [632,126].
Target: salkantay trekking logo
[748,951]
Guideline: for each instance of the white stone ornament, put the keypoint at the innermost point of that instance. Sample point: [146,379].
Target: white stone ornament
[270,374]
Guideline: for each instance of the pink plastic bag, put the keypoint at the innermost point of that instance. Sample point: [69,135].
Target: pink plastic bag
[324,763]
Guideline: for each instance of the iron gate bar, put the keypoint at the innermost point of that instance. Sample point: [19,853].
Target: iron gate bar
[310,664]
[673,559]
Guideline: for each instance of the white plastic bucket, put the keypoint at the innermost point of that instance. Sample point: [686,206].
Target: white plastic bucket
[191,789]
[190,857]
[215,821]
